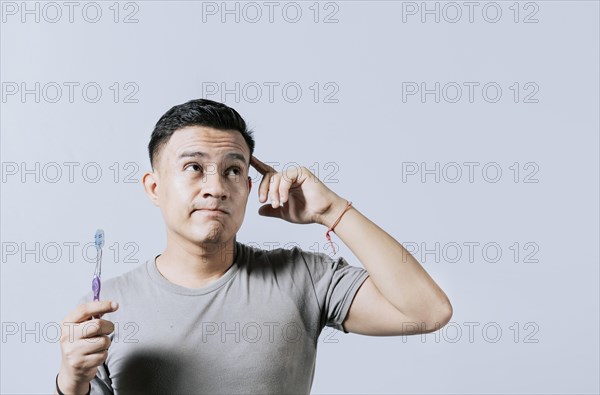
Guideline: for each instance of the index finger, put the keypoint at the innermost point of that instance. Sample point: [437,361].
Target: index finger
[86,311]
[262,168]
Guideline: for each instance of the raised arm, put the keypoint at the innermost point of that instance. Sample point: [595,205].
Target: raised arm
[399,297]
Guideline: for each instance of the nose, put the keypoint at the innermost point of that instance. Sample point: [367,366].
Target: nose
[213,185]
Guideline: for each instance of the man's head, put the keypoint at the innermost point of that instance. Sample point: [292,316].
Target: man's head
[199,112]
[200,154]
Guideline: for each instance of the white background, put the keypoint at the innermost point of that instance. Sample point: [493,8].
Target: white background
[365,139]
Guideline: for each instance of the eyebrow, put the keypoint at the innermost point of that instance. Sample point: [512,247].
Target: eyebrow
[198,154]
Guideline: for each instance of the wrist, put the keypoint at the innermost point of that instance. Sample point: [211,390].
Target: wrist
[335,210]
[67,385]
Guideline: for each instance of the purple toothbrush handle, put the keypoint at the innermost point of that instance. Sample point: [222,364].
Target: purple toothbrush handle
[96,287]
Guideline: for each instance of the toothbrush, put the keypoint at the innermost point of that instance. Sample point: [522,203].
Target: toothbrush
[99,242]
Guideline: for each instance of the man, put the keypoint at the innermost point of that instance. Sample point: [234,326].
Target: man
[213,315]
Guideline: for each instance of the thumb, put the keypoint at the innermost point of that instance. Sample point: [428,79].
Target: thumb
[267,210]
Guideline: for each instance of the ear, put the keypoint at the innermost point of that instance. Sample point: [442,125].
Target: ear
[150,182]
[249,184]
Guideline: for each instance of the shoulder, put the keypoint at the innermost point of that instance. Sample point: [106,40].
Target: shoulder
[117,286]
[257,256]
[292,259]
[131,278]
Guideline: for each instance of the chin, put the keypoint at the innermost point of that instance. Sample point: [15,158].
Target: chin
[209,234]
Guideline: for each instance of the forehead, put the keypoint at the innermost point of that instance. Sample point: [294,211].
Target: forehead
[213,142]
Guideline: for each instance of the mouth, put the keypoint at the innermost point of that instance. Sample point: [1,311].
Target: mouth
[215,211]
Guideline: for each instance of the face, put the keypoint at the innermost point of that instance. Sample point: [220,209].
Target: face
[198,169]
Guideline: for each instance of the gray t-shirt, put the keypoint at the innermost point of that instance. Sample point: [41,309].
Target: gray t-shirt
[254,330]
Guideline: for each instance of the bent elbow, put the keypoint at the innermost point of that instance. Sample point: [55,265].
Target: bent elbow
[441,318]
[448,314]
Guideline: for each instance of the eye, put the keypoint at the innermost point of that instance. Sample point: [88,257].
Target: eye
[237,169]
[193,166]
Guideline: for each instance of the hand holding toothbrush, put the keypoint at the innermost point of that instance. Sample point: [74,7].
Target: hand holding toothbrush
[85,336]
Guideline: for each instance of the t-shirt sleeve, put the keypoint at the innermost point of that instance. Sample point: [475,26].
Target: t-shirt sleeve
[335,283]
[101,384]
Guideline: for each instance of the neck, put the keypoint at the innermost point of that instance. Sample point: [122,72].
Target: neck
[193,265]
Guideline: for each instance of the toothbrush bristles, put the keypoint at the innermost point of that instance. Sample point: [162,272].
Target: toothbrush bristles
[99,238]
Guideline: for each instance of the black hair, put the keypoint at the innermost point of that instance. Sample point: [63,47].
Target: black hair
[198,112]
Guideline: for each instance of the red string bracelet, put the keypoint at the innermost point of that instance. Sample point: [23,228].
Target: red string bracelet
[335,223]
